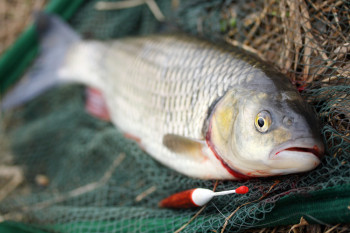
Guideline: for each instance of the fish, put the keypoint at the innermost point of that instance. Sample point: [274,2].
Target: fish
[206,110]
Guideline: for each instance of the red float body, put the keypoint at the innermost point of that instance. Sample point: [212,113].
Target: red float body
[181,200]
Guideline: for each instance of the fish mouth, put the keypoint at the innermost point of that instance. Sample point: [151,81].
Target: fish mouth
[300,145]
[299,155]
[315,150]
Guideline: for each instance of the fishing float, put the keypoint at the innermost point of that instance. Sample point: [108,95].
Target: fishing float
[196,197]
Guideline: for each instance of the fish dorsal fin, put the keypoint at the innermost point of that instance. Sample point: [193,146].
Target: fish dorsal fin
[189,147]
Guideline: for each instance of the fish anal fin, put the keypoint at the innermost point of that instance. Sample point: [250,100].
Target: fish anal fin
[135,139]
[188,147]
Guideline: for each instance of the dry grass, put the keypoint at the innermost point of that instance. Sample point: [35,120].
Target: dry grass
[15,15]
[307,40]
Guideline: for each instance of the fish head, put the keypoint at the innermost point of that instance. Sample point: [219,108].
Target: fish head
[266,134]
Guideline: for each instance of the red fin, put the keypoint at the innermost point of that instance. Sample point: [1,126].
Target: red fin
[134,138]
[96,105]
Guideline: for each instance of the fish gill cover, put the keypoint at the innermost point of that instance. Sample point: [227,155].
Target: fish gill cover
[66,171]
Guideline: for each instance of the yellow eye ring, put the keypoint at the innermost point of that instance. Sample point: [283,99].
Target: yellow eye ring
[263,121]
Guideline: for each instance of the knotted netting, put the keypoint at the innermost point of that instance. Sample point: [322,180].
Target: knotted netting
[70,172]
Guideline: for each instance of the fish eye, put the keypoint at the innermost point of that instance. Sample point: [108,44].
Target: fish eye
[263,121]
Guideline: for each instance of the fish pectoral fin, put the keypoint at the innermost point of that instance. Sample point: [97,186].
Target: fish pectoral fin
[188,147]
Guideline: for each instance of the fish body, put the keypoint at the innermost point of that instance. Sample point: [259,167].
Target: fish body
[192,105]
[205,110]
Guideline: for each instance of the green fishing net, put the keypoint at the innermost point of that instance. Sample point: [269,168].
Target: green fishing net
[62,170]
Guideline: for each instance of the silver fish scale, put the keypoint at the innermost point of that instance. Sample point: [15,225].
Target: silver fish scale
[165,85]
[168,83]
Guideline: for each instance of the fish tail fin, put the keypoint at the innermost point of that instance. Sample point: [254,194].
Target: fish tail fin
[79,60]
[55,40]
[59,46]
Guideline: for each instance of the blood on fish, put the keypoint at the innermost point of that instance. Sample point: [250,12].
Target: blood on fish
[250,174]
[224,164]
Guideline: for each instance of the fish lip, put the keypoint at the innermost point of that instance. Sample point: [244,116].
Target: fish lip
[302,145]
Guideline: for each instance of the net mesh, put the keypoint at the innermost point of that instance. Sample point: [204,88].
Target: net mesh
[73,173]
